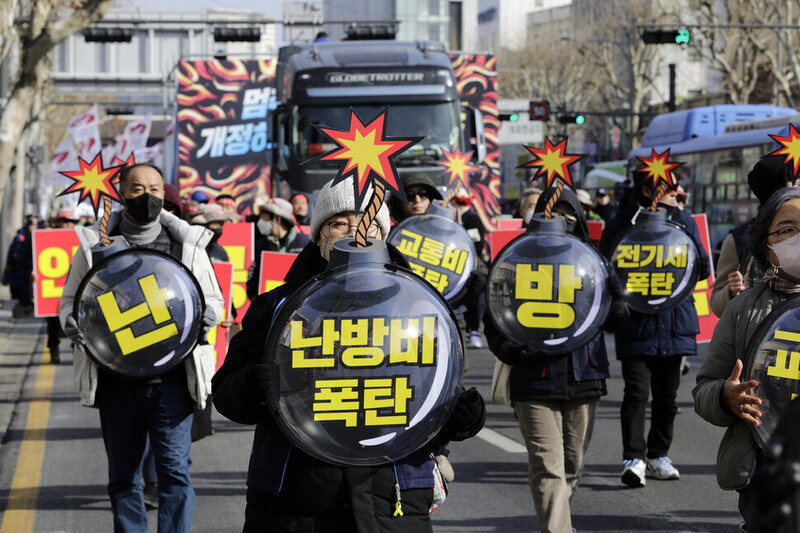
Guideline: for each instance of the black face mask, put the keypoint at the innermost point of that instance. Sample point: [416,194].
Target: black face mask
[144,208]
[217,234]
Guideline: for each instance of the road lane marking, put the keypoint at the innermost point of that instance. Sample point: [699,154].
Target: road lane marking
[501,441]
[21,510]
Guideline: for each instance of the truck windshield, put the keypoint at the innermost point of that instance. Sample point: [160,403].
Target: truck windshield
[438,122]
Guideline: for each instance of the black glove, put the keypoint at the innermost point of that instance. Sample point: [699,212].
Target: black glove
[71,330]
[614,286]
[703,271]
[467,418]
[257,381]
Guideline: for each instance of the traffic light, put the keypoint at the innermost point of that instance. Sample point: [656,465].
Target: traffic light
[509,117]
[247,35]
[666,36]
[107,35]
[571,119]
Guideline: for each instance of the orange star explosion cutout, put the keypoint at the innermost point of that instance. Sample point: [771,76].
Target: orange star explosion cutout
[790,147]
[366,153]
[658,168]
[117,161]
[458,168]
[552,161]
[93,181]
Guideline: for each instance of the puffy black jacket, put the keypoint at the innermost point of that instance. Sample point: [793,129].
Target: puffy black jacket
[277,466]
[668,333]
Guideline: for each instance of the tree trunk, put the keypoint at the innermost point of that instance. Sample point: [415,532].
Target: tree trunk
[12,125]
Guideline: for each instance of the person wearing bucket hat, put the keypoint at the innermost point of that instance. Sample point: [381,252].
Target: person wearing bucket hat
[555,397]
[213,217]
[586,202]
[288,489]
[420,191]
[279,233]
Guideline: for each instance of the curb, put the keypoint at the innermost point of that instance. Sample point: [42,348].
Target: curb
[21,339]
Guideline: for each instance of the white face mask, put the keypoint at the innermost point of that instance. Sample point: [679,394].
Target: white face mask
[788,253]
[528,215]
[264,226]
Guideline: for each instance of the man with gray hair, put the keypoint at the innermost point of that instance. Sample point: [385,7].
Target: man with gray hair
[527,204]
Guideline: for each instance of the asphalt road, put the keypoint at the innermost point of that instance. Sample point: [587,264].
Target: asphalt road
[490,492]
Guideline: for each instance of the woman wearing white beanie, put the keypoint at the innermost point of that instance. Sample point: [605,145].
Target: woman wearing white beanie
[287,489]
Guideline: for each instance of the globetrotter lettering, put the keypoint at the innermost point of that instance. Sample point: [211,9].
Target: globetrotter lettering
[421,250]
[537,287]
[374,77]
[155,305]
[364,343]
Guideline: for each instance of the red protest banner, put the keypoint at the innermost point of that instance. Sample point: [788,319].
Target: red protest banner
[500,237]
[218,335]
[596,230]
[237,239]
[53,250]
[702,291]
[274,266]
[509,223]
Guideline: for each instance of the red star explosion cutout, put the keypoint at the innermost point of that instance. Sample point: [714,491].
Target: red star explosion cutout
[658,168]
[366,153]
[119,162]
[790,147]
[93,181]
[553,161]
[458,167]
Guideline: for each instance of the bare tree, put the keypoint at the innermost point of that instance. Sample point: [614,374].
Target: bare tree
[738,54]
[624,66]
[35,27]
[556,74]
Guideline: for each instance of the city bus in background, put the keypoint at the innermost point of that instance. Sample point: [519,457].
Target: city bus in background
[718,146]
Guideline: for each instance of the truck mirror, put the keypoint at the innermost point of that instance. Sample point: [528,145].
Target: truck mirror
[477,139]
[279,124]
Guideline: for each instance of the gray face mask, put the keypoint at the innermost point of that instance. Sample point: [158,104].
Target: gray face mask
[264,226]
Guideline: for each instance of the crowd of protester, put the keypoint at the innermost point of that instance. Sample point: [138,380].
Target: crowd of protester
[554,398]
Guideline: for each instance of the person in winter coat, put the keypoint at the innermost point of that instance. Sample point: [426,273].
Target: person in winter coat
[279,233]
[161,408]
[650,348]
[735,269]
[18,274]
[287,489]
[555,396]
[720,397]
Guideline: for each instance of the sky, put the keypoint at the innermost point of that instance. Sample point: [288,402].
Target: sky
[269,8]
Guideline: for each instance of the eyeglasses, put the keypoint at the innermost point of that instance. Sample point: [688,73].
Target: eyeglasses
[421,194]
[339,229]
[785,233]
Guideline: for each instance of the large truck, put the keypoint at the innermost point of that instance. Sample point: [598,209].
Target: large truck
[318,83]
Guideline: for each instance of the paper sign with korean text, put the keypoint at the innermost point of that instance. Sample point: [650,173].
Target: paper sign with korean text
[702,291]
[53,250]
[218,335]
[237,239]
[274,266]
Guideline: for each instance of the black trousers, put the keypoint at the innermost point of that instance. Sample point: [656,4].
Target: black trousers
[662,376]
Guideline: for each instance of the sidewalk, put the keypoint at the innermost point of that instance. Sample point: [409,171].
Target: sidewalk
[21,339]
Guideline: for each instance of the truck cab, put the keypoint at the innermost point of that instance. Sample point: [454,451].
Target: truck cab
[318,84]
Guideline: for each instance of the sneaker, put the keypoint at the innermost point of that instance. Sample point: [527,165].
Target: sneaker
[474,339]
[633,473]
[661,468]
[151,496]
